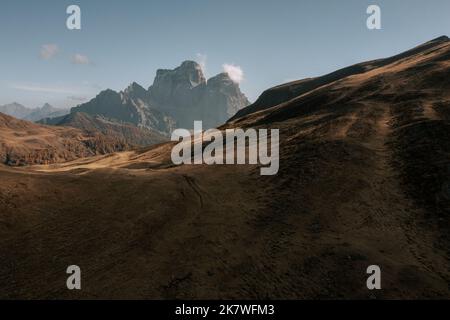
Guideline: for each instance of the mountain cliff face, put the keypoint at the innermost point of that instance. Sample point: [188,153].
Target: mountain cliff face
[127,106]
[174,87]
[226,95]
[185,94]
[175,99]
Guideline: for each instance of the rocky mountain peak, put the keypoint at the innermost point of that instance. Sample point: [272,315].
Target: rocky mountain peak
[13,106]
[220,79]
[135,90]
[107,92]
[16,104]
[134,86]
[188,75]
[47,107]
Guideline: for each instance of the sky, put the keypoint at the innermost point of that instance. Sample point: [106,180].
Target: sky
[262,43]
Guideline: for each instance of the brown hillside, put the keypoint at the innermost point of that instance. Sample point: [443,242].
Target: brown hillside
[23,143]
[364,179]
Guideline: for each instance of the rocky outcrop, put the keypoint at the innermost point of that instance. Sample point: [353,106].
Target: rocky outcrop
[175,87]
[127,106]
[186,95]
[226,97]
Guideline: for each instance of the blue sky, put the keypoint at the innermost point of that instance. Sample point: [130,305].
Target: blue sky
[124,41]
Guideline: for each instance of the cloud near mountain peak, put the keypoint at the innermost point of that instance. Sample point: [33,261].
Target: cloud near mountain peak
[235,72]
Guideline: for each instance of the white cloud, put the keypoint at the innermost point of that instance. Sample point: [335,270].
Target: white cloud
[38,88]
[92,85]
[77,98]
[235,72]
[48,51]
[80,59]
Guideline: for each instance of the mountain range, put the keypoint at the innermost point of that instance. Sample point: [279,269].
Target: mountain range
[364,179]
[21,112]
[134,117]
[175,99]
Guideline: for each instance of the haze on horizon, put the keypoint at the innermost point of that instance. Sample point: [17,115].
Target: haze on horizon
[270,42]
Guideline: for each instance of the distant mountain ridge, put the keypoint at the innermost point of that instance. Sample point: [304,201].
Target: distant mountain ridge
[15,110]
[46,111]
[19,111]
[175,99]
